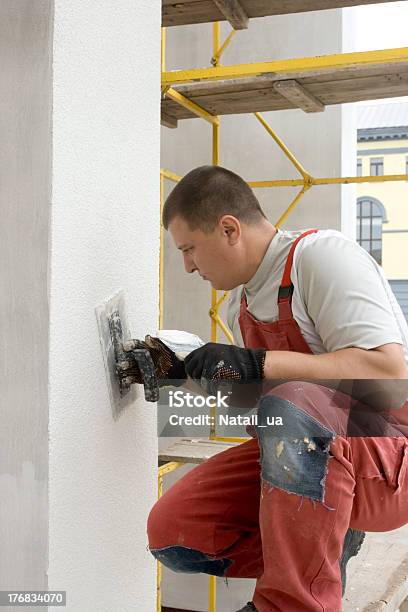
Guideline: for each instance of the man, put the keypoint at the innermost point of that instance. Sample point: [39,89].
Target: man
[305,307]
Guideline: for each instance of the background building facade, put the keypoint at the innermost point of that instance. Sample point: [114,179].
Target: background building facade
[382,208]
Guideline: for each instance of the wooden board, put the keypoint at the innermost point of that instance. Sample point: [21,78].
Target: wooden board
[258,94]
[184,12]
[299,96]
[194,450]
[233,12]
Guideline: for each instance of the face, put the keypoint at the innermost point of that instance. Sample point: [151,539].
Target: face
[214,256]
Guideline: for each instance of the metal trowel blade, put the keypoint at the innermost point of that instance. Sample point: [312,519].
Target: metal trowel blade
[113,331]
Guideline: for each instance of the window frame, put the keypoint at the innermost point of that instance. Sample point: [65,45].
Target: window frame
[377,162]
[373,243]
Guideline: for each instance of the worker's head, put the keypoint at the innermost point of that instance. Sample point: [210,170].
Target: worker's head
[213,217]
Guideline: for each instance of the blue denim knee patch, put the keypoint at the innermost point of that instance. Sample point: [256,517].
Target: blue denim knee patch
[296,459]
[188,560]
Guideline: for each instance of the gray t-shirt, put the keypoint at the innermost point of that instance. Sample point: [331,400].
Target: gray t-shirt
[341,297]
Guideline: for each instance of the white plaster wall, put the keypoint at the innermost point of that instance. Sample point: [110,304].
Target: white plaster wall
[105,236]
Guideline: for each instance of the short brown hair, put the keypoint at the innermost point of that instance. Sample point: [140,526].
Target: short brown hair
[207,193]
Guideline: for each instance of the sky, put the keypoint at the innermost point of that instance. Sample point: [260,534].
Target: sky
[381,26]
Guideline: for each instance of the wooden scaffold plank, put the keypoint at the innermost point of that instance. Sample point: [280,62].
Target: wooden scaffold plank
[299,96]
[183,12]
[194,450]
[310,89]
[233,12]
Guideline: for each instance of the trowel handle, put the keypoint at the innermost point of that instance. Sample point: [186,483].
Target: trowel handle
[148,372]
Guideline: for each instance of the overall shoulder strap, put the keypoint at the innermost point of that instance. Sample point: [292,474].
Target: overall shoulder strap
[286,286]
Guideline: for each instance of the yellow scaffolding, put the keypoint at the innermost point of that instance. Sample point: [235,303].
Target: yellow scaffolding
[306,182]
[288,67]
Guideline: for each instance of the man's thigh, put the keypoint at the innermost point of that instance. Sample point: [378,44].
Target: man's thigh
[378,464]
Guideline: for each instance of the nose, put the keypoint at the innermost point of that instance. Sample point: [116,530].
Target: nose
[189,264]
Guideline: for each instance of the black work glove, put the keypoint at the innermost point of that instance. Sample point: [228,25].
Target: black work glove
[216,362]
[215,365]
[168,367]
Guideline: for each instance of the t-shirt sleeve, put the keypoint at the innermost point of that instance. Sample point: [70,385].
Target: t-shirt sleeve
[344,295]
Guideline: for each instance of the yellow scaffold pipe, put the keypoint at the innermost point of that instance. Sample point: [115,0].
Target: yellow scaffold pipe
[213,312]
[218,321]
[218,52]
[284,148]
[172,176]
[216,31]
[212,584]
[292,205]
[342,180]
[163,49]
[164,469]
[339,180]
[293,68]
[222,299]
[161,256]
[215,161]
[191,106]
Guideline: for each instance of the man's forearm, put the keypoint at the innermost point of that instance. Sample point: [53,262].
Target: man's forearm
[346,363]
[352,364]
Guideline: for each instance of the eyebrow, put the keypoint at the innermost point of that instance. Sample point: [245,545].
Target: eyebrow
[182,246]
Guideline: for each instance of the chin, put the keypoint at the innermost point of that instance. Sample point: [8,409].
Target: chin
[217,286]
[223,286]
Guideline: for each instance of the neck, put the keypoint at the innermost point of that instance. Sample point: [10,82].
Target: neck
[258,241]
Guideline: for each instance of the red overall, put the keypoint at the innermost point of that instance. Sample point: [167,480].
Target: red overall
[289,543]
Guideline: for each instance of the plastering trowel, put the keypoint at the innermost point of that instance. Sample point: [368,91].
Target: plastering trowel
[113,332]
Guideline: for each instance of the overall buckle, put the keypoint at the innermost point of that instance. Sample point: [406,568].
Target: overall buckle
[285,293]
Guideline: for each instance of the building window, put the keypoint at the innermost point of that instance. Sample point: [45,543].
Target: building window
[370,217]
[376,166]
[400,290]
[359,166]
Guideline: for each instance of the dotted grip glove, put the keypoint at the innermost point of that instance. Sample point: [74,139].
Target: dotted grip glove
[168,366]
[214,362]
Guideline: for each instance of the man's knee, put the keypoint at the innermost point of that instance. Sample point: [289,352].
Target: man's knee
[164,537]
[294,456]
[190,561]
[160,524]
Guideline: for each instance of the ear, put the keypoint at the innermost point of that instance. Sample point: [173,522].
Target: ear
[230,228]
